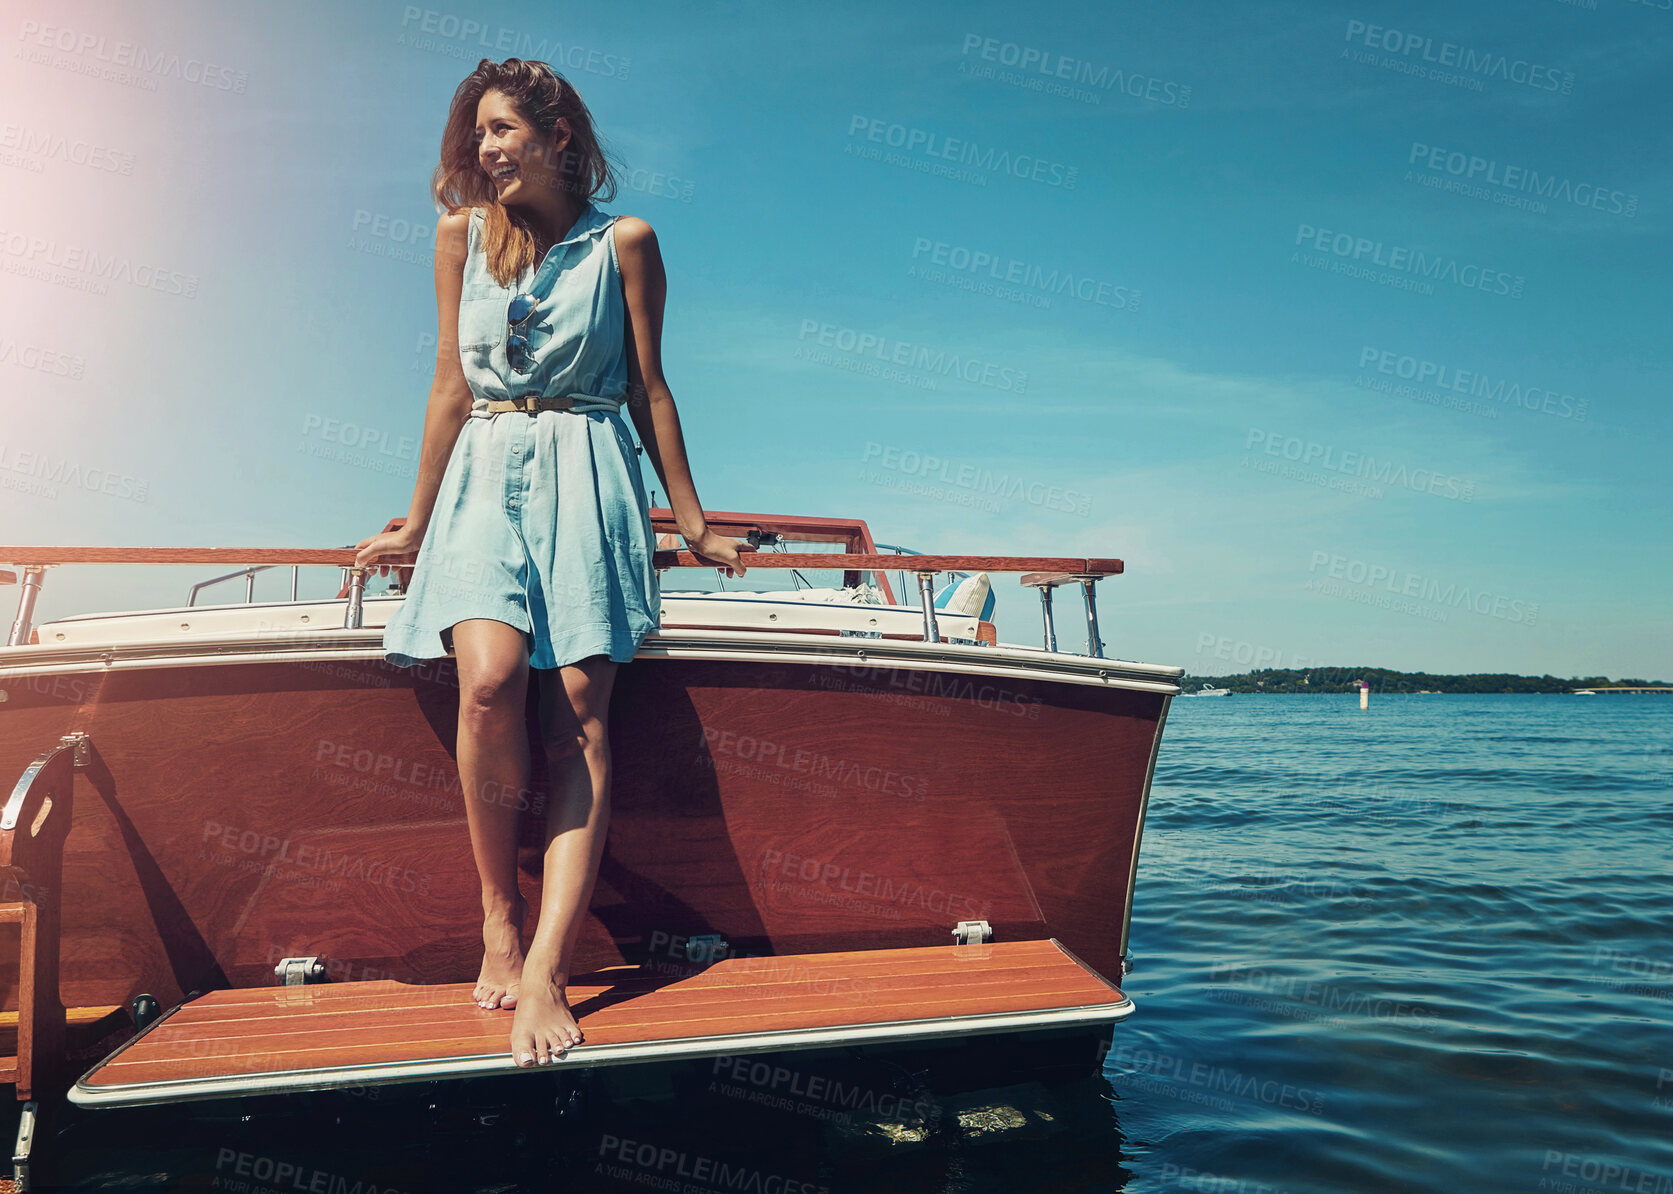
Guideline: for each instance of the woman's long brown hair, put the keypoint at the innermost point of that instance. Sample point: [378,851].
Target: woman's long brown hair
[541,96]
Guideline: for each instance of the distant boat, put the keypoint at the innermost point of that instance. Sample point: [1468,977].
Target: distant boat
[1210,690]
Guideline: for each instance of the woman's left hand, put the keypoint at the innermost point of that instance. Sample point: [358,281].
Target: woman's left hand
[717,551]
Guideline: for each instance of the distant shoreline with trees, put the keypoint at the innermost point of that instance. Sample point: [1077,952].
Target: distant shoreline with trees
[1336,680]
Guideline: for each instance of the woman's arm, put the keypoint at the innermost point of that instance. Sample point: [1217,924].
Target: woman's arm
[450,398]
[649,402]
[450,394]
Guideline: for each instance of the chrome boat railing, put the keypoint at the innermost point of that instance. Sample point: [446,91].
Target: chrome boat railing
[1042,572]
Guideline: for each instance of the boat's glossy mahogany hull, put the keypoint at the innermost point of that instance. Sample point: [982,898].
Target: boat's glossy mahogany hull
[249,812]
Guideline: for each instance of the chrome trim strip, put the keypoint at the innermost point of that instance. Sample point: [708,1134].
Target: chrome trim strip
[20,792]
[585,1056]
[341,645]
[986,661]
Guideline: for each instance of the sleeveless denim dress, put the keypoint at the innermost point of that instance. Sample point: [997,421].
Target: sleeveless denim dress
[541,520]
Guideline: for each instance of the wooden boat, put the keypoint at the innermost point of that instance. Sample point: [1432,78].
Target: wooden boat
[839,821]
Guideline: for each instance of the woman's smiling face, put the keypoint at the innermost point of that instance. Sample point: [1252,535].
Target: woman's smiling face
[511,150]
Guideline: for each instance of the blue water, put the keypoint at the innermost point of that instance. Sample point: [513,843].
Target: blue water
[1424,948]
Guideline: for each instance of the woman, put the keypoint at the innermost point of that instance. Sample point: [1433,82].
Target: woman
[534,542]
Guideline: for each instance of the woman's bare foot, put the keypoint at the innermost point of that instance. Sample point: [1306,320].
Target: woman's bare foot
[502,958]
[544,1027]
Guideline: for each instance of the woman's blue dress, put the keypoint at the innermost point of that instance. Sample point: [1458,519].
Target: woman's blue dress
[541,520]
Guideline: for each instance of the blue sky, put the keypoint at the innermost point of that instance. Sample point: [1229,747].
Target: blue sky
[1343,325]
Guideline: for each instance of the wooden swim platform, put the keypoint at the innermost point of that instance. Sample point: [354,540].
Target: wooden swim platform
[311,1037]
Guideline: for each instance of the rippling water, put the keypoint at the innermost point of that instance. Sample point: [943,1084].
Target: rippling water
[1425,947]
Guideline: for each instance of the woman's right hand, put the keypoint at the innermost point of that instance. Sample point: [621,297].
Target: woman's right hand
[400,543]
[717,551]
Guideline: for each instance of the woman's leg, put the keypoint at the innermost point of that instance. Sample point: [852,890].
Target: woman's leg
[493,755]
[575,709]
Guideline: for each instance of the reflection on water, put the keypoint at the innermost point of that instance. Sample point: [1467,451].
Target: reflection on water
[772,1123]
